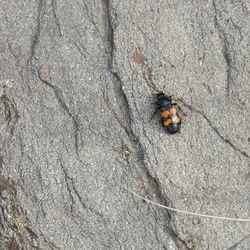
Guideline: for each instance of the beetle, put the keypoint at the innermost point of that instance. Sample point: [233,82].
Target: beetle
[169,115]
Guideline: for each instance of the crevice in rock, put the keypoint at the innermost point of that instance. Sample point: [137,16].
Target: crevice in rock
[32,234]
[110,34]
[117,89]
[155,188]
[1,163]
[234,246]
[116,116]
[35,38]
[182,244]
[67,179]
[228,61]
[225,50]
[76,192]
[57,92]
[59,97]
[80,48]
[48,242]
[153,181]
[54,10]
[227,141]
[89,15]
[237,28]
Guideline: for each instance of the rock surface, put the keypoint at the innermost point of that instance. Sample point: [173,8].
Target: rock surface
[76,79]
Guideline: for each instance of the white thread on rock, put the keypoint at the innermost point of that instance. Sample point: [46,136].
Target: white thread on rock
[187,212]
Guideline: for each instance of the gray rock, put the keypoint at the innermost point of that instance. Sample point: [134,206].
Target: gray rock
[76,79]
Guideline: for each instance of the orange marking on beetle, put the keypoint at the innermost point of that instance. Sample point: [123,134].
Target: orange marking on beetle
[173,119]
[167,122]
[165,114]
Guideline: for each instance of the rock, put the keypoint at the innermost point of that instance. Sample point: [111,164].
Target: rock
[76,80]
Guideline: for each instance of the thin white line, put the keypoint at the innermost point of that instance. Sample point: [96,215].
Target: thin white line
[188,213]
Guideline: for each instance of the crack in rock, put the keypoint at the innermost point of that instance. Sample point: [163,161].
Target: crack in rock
[35,39]
[234,246]
[120,91]
[116,116]
[76,192]
[67,178]
[54,10]
[59,97]
[153,181]
[110,31]
[227,141]
[225,50]
[57,92]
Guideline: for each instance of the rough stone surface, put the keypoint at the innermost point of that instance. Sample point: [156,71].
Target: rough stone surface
[76,79]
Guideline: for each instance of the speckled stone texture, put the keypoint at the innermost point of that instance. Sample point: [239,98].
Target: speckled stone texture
[76,84]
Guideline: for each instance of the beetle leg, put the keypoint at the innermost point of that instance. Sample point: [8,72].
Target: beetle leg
[153,115]
[180,109]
